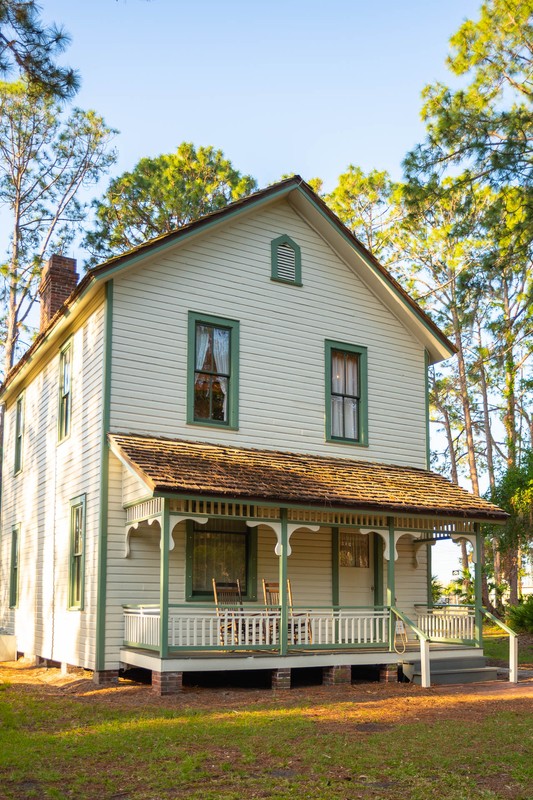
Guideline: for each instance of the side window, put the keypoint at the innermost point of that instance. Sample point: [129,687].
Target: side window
[225,550]
[14,569]
[354,550]
[65,392]
[346,393]
[213,371]
[77,552]
[286,261]
[19,434]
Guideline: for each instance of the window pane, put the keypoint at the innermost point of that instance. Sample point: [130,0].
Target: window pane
[350,419]
[221,556]
[202,393]
[204,347]
[337,372]
[352,374]
[221,351]
[336,417]
[219,388]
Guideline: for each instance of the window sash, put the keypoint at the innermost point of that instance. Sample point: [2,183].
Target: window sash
[65,392]
[77,553]
[19,434]
[345,397]
[14,571]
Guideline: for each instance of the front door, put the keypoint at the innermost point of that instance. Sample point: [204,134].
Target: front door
[356,568]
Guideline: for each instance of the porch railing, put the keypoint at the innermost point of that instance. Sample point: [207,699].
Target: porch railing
[447,623]
[199,627]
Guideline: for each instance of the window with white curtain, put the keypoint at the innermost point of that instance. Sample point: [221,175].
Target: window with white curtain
[346,393]
[213,371]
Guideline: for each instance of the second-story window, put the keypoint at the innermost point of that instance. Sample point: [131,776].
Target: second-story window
[65,392]
[213,370]
[346,393]
[19,433]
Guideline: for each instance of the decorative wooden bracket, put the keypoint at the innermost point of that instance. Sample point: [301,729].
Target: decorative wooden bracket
[291,527]
[397,536]
[174,520]
[472,539]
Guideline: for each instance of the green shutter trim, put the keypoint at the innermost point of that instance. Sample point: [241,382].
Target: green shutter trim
[14,568]
[73,603]
[101,594]
[362,352]
[377,544]
[428,440]
[233,399]
[164,580]
[276,270]
[335,550]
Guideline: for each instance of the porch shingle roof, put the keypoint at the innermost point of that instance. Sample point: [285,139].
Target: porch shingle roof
[181,467]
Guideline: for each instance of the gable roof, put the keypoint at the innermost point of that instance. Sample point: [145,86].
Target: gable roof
[309,205]
[179,467]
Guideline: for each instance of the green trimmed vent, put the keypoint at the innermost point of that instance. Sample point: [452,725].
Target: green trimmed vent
[286,261]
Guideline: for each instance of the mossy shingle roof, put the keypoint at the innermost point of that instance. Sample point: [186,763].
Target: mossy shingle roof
[198,468]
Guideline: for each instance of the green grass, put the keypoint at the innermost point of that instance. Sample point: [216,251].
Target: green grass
[496,647]
[62,747]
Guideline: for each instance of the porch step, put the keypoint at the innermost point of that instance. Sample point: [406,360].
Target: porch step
[469,669]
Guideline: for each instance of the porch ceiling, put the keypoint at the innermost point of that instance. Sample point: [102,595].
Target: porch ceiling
[174,466]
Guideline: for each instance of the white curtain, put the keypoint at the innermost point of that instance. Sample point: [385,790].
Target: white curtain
[202,344]
[221,358]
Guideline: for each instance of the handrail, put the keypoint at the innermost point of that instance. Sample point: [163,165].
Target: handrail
[445,605]
[513,644]
[424,646]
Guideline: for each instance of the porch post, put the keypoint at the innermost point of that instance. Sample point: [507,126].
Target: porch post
[163,580]
[478,601]
[391,588]
[283,599]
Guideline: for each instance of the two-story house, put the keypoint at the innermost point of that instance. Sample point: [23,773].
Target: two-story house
[241,400]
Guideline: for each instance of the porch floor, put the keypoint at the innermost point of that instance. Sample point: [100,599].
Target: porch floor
[202,661]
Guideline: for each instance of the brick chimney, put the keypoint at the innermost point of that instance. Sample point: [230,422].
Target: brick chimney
[58,281]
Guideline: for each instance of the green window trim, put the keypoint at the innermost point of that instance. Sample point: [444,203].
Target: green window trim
[282,271]
[19,435]
[64,416]
[14,568]
[251,565]
[76,583]
[195,319]
[362,416]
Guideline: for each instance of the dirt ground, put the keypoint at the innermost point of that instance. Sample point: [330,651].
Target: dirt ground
[408,701]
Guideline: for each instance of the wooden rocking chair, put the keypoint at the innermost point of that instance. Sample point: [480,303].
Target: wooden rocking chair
[228,602]
[297,625]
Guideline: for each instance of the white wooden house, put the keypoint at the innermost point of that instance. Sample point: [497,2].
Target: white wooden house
[245,397]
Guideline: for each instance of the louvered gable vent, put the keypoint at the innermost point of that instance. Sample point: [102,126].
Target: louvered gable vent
[286,261]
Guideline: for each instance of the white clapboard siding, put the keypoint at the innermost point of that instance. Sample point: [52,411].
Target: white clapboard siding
[411,581]
[282,333]
[38,499]
[133,489]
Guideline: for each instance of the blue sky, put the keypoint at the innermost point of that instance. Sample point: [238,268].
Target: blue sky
[298,86]
[280,87]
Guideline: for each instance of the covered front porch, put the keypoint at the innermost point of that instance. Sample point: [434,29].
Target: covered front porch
[360,576]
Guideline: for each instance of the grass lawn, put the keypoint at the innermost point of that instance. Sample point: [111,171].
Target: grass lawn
[496,648]
[386,742]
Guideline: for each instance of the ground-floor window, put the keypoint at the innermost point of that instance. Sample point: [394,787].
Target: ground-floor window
[224,550]
[14,572]
[77,552]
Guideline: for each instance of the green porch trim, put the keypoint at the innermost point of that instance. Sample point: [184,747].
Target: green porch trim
[478,601]
[391,586]
[232,325]
[274,275]
[283,594]
[429,577]
[164,581]
[377,545]
[362,439]
[101,592]
[335,556]
[426,390]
